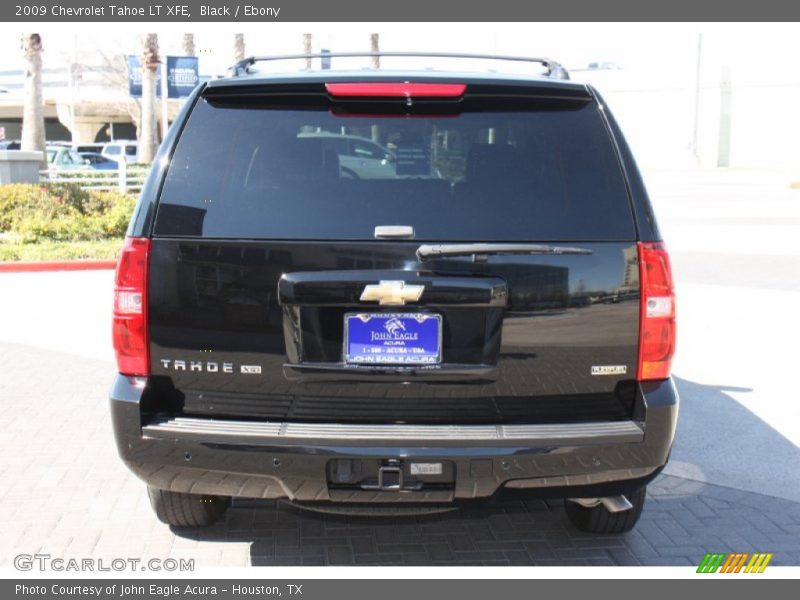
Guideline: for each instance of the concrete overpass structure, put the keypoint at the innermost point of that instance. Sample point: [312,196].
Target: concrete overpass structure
[81,105]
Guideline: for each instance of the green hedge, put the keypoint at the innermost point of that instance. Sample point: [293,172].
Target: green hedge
[47,250]
[62,212]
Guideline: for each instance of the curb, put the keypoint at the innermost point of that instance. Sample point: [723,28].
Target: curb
[57,265]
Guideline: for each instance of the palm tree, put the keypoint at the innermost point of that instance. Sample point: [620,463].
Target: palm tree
[33,112]
[188,44]
[375,46]
[148,134]
[307,49]
[238,47]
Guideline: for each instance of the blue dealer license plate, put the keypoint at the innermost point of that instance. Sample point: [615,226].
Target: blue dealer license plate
[395,339]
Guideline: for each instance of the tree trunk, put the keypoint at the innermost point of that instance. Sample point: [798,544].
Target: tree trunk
[307,48]
[33,138]
[375,46]
[238,47]
[148,139]
[188,44]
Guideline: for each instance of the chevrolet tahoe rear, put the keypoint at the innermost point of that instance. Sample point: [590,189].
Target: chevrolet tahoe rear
[394,291]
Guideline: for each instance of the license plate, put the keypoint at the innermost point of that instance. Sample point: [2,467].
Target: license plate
[393,339]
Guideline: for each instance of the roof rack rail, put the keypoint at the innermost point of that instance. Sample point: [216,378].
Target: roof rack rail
[553,69]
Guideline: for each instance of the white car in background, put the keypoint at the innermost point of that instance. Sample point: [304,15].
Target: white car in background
[359,157]
[64,158]
[119,150]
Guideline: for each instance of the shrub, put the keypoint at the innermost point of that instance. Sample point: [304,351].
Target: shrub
[63,212]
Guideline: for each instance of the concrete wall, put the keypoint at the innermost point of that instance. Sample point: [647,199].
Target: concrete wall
[17,166]
[744,110]
[761,129]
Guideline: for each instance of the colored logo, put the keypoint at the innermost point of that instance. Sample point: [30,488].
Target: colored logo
[735,562]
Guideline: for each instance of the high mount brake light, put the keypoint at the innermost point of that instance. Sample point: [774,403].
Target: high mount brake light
[395,90]
[657,328]
[129,331]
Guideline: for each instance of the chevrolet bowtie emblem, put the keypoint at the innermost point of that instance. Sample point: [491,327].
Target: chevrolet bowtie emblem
[392,293]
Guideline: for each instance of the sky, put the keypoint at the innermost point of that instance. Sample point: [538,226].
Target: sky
[667,52]
[668,119]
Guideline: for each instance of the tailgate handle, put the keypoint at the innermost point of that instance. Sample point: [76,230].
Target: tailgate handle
[394,232]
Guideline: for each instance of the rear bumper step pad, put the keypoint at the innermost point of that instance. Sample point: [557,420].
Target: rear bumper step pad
[537,435]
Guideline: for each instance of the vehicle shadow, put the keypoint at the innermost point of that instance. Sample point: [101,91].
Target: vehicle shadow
[719,439]
[685,515]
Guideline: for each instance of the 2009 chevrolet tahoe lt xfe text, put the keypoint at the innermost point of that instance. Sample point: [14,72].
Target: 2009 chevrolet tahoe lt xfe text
[394,291]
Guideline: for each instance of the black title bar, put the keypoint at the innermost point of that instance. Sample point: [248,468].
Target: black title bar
[269,588]
[253,11]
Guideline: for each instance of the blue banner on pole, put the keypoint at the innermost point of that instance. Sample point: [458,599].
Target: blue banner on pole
[135,76]
[182,76]
[325,60]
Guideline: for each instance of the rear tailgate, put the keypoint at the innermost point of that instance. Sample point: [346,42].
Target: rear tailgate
[264,244]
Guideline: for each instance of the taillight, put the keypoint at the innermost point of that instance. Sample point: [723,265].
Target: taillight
[657,320]
[131,343]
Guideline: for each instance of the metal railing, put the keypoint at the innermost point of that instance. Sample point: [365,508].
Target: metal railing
[124,179]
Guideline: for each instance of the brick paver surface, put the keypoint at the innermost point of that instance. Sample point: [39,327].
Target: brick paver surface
[64,492]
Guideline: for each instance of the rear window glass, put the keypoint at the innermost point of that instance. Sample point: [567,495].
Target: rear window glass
[265,173]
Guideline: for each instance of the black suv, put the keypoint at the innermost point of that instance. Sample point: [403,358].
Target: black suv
[394,291]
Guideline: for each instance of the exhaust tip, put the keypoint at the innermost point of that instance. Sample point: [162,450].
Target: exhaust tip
[613,504]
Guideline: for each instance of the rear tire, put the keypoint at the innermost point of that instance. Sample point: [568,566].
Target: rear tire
[187,510]
[600,520]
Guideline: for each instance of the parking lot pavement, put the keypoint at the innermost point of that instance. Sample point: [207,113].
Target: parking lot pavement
[732,483]
[67,311]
